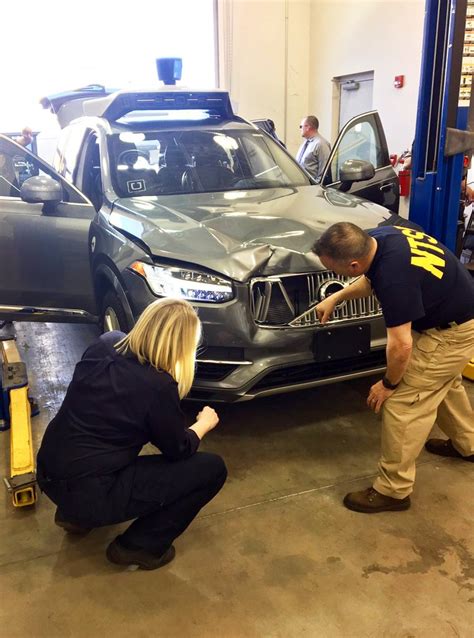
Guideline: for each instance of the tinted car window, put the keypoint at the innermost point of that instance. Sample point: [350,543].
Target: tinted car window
[184,161]
[359,142]
[17,165]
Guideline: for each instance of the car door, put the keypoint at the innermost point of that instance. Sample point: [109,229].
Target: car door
[363,138]
[45,270]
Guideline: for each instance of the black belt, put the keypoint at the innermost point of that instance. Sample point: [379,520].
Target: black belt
[452,324]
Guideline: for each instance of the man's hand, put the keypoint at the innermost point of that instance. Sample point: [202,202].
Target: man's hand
[325,308]
[357,289]
[26,136]
[377,396]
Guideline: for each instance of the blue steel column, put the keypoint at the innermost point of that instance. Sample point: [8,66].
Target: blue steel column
[436,179]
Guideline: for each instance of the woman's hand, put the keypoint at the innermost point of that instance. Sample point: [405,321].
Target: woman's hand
[206,421]
[208,417]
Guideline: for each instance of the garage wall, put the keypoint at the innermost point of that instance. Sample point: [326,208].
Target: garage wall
[278,59]
[352,36]
[264,60]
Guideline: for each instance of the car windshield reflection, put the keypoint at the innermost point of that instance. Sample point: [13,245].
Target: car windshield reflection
[172,162]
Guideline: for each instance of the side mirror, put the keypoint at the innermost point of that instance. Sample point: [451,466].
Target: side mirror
[41,190]
[355,171]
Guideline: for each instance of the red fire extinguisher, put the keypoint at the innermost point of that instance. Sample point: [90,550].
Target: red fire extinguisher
[404,177]
[404,172]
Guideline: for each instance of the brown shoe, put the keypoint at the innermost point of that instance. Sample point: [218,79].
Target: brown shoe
[67,526]
[370,501]
[444,447]
[120,555]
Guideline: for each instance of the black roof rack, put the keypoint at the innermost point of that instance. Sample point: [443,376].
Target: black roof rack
[115,106]
[96,100]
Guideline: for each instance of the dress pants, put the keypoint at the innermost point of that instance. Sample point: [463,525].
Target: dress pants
[431,391]
[163,496]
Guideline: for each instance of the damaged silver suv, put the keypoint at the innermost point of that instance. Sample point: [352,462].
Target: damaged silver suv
[169,193]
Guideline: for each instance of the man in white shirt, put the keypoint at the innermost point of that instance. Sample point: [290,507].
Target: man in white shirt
[314,152]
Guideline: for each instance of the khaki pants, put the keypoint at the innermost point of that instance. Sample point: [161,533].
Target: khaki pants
[431,391]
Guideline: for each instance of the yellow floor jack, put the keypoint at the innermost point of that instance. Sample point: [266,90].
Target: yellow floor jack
[15,414]
[468,372]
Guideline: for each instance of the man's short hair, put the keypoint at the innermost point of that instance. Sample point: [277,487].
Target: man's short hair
[313,121]
[343,242]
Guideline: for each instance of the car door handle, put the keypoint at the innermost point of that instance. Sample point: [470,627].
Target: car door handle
[386,187]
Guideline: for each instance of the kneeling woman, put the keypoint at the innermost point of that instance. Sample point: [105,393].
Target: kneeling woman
[125,393]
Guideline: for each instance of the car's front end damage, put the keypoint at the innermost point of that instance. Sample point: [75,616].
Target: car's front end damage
[248,267]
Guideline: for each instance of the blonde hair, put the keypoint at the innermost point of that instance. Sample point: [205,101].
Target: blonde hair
[166,335]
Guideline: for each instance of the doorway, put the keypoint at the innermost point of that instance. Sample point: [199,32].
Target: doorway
[355,95]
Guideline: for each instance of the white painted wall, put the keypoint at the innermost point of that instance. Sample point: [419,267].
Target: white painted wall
[351,36]
[264,60]
[278,59]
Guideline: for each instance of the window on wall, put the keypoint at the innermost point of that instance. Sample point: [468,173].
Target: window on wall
[111,42]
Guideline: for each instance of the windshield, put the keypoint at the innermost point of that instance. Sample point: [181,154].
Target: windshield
[191,161]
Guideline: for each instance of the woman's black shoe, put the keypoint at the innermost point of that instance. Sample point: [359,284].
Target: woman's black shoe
[120,555]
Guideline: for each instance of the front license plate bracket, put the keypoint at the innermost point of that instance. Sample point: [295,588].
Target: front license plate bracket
[342,342]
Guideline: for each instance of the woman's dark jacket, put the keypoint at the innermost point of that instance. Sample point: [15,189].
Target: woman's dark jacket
[112,408]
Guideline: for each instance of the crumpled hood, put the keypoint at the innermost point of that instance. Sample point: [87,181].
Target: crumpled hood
[243,234]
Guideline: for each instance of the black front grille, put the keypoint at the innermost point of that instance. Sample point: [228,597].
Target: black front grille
[289,300]
[278,301]
[213,371]
[314,371]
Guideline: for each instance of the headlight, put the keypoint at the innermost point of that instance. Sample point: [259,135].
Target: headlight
[186,284]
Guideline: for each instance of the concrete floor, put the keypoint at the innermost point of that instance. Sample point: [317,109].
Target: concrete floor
[275,554]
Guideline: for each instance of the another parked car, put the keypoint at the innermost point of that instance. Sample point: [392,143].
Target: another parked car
[169,193]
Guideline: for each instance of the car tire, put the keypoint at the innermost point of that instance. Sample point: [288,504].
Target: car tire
[113,315]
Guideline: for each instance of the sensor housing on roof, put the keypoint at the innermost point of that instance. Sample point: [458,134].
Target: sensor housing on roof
[169,70]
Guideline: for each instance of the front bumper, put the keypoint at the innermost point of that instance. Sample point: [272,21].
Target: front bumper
[239,360]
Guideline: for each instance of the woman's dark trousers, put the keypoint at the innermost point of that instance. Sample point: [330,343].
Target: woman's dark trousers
[163,496]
